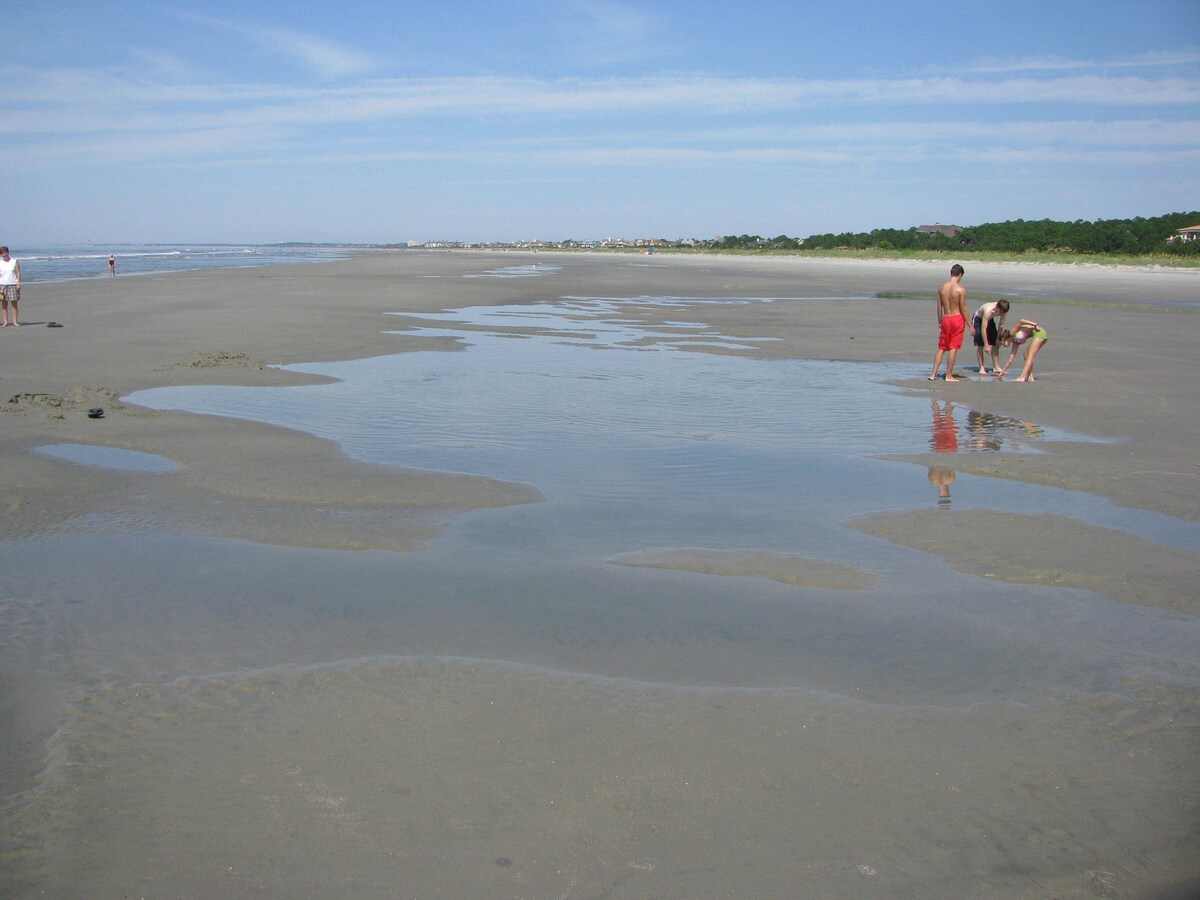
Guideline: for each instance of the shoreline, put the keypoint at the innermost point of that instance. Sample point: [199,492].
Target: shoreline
[1082,263]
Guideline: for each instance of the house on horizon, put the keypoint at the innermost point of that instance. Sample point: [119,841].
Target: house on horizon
[946,230]
[1191,233]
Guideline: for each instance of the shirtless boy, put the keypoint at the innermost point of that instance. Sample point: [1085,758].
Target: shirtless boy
[952,321]
[985,330]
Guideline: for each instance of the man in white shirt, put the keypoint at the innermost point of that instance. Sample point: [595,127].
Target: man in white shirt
[10,285]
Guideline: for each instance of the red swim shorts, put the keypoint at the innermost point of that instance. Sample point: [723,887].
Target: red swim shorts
[950,336]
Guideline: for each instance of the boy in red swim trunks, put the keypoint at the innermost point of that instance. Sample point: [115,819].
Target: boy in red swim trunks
[952,321]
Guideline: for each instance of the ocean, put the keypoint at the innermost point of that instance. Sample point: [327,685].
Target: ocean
[68,262]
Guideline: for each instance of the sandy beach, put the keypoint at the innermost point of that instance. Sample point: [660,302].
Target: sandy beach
[253,676]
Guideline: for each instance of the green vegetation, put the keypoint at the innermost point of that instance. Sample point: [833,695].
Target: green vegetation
[1046,238]
[1118,242]
[1107,242]
[754,242]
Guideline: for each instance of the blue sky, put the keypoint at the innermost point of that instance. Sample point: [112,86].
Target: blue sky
[389,121]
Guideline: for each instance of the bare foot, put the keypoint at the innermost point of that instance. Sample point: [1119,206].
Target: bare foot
[952,378]
[933,378]
[1019,378]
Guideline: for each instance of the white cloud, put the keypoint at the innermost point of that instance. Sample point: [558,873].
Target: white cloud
[1040,144]
[164,65]
[1157,60]
[1052,156]
[570,122]
[326,58]
[41,98]
[319,55]
[1090,132]
[608,32]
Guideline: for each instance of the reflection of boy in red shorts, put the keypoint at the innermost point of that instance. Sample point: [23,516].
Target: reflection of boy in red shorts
[945,432]
[952,321]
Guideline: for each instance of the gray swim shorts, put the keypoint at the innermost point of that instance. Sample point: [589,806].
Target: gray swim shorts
[12,293]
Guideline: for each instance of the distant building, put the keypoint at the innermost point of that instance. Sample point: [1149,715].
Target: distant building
[946,230]
[1191,233]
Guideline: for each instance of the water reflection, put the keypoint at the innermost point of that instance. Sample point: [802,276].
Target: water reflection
[944,432]
[942,479]
[987,431]
[984,431]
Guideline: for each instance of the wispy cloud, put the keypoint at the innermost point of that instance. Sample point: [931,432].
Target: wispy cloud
[569,122]
[1148,61]
[318,55]
[609,32]
[39,97]
[164,66]
[1140,142]
[1091,131]
[324,57]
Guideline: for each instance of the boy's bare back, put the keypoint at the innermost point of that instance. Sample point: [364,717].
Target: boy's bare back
[952,299]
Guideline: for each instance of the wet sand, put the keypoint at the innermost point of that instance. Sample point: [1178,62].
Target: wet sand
[442,780]
[171,758]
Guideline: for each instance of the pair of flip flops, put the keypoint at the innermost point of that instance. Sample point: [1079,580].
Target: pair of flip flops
[96,412]
[53,325]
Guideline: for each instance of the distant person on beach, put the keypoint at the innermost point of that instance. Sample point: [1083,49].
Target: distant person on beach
[112,265]
[10,284]
[985,330]
[952,320]
[1025,332]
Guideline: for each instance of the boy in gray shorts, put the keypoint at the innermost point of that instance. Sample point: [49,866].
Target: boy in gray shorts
[985,330]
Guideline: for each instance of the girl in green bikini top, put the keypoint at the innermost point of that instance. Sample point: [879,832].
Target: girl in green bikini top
[1026,331]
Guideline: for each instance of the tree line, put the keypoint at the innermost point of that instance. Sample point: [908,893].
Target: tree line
[1136,236]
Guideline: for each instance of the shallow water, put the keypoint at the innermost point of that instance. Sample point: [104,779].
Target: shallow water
[511,712]
[639,444]
[596,410]
[70,262]
[108,457]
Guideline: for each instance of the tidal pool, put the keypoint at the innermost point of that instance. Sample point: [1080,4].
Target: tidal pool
[108,457]
[593,408]
[642,444]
